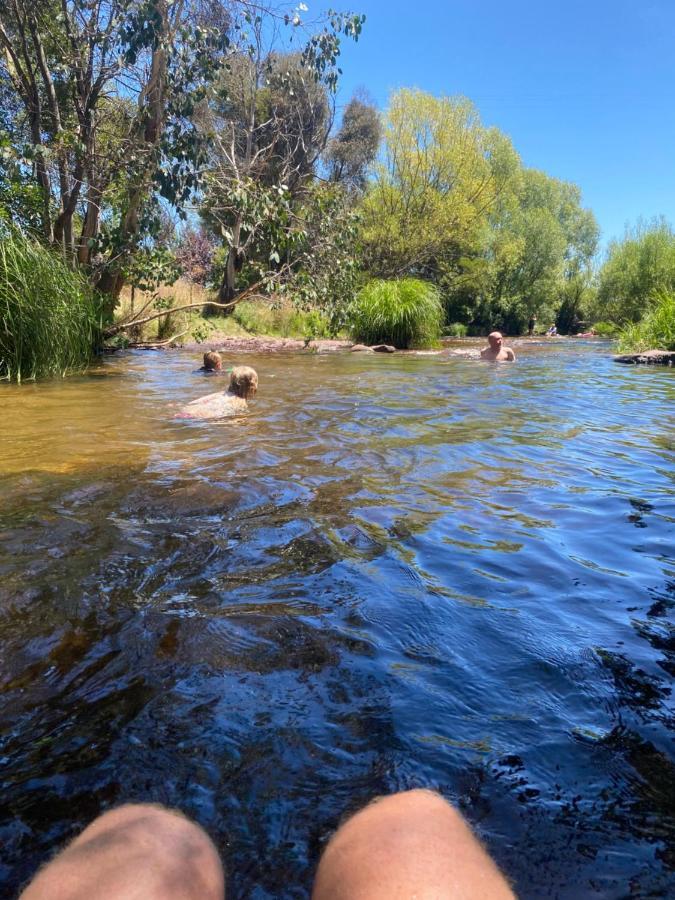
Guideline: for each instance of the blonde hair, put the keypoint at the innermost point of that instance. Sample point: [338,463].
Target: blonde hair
[243,381]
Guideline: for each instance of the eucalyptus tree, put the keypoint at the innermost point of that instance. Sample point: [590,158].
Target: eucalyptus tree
[353,150]
[105,89]
[104,94]
[266,128]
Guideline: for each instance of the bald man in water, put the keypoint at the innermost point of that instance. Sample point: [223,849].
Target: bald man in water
[496,351]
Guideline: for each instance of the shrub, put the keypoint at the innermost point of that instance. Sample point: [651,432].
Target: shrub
[49,316]
[656,329]
[405,313]
[457,329]
[605,329]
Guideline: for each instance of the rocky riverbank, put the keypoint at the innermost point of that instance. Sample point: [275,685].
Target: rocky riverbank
[648,358]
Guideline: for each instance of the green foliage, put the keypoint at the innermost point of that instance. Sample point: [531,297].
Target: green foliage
[457,329]
[442,172]
[656,329]
[354,148]
[405,313]
[49,316]
[639,265]
[325,247]
[281,320]
[605,329]
[452,202]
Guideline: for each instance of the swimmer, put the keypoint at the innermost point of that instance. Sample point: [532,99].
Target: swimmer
[243,384]
[412,844]
[213,364]
[496,351]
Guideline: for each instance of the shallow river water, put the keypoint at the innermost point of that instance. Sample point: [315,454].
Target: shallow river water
[395,571]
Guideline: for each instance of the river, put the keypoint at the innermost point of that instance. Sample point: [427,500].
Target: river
[395,571]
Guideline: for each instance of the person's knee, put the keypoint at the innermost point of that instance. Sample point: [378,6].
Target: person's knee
[136,846]
[411,841]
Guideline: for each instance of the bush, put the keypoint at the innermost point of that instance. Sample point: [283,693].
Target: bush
[405,313]
[656,329]
[49,317]
[457,329]
[605,329]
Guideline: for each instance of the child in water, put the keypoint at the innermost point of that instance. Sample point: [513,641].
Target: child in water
[243,384]
[213,364]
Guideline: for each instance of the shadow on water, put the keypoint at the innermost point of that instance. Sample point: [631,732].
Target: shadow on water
[394,572]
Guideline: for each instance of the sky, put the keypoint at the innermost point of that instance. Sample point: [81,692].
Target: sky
[585,90]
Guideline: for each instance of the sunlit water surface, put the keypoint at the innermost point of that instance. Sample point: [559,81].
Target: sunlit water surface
[395,571]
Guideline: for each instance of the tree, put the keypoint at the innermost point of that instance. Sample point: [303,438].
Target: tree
[267,128]
[105,86]
[635,269]
[537,253]
[442,174]
[352,151]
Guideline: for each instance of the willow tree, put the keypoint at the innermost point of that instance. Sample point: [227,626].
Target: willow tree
[441,175]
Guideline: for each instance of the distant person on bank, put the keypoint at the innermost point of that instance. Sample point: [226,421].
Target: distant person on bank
[496,351]
[552,332]
[232,402]
[213,364]
[531,325]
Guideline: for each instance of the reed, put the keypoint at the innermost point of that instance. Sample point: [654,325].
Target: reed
[49,316]
[405,312]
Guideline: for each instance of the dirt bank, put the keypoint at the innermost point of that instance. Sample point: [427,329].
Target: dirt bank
[254,344]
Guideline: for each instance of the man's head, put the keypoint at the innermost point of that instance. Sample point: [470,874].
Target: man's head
[495,340]
[243,381]
[212,361]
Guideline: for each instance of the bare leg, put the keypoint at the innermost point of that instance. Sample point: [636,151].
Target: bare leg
[136,852]
[409,845]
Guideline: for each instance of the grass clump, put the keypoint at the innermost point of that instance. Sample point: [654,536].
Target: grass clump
[49,316]
[406,313]
[655,330]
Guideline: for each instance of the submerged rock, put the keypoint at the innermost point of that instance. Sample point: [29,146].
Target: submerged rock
[648,357]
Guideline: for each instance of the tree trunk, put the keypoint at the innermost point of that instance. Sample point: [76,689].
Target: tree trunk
[228,286]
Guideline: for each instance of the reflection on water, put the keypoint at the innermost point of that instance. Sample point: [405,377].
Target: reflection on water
[395,571]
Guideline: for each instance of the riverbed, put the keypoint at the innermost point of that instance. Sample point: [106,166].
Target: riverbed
[395,571]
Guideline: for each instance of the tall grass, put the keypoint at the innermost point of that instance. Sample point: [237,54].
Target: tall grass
[405,313]
[655,330]
[49,321]
[281,320]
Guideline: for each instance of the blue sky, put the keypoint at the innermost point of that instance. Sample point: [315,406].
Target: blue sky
[585,90]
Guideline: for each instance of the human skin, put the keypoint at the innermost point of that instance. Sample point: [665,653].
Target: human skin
[243,384]
[136,852]
[408,845]
[412,844]
[496,351]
